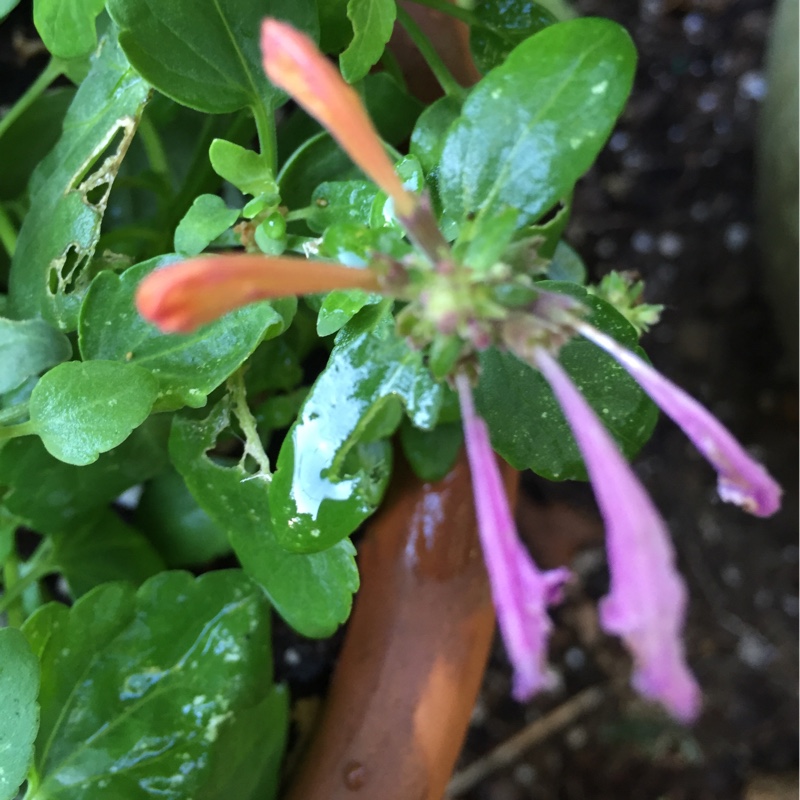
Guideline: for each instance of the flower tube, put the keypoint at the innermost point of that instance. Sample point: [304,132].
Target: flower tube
[520,590]
[293,63]
[647,603]
[742,480]
[182,297]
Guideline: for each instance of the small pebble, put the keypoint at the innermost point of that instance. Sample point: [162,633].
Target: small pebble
[700,211]
[753,85]
[577,737]
[698,68]
[790,605]
[605,247]
[574,658]
[736,236]
[619,141]
[642,242]
[708,102]
[670,245]
[755,651]
[525,775]
[693,27]
[130,497]
[676,133]
[292,657]
[732,576]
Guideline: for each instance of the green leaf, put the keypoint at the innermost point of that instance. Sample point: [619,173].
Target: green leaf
[431,454]
[28,348]
[558,95]
[312,592]
[566,265]
[176,525]
[205,55]
[187,367]
[51,496]
[30,138]
[69,192]
[247,170]
[391,108]
[19,722]
[67,27]
[103,550]
[316,498]
[207,218]
[501,26]
[339,202]
[340,306]
[6,7]
[428,136]
[80,410]
[156,692]
[373,21]
[526,424]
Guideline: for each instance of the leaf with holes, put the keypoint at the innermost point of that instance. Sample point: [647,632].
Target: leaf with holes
[80,410]
[319,495]
[157,692]
[558,95]
[28,348]
[187,367]
[205,55]
[312,592]
[69,191]
[19,686]
[67,27]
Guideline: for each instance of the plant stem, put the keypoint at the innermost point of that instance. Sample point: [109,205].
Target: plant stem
[11,580]
[14,585]
[13,431]
[53,69]
[442,74]
[13,413]
[299,213]
[154,147]
[8,234]
[453,10]
[267,136]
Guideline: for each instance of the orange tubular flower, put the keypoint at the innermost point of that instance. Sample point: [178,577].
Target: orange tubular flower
[182,297]
[293,62]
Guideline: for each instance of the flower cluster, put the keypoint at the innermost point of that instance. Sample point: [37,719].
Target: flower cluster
[647,600]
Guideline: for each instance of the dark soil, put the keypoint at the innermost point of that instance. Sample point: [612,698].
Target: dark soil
[672,198]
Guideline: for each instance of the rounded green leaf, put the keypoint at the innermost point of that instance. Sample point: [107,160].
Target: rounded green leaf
[207,218]
[373,21]
[19,720]
[204,55]
[558,95]
[526,424]
[80,410]
[157,693]
[67,27]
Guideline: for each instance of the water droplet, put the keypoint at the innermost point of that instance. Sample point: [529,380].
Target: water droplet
[355,775]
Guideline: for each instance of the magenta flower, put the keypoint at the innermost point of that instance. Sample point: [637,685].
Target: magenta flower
[647,602]
[742,480]
[520,590]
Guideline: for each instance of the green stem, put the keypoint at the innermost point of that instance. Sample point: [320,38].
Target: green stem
[299,213]
[14,585]
[453,10]
[8,234]
[53,69]
[11,579]
[446,80]
[267,135]
[154,147]
[13,413]
[13,431]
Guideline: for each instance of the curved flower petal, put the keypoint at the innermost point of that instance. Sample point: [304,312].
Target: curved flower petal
[520,590]
[647,602]
[742,480]
[181,297]
[293,62]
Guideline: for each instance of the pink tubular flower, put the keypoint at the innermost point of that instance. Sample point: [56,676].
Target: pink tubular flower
[742,480]
[647,602]
[293,63]
[520,590]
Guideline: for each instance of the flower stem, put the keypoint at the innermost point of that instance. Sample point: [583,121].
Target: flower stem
[451,9]
[267,137]
[442,74]
[13,431]
[53,69]
[8,235]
